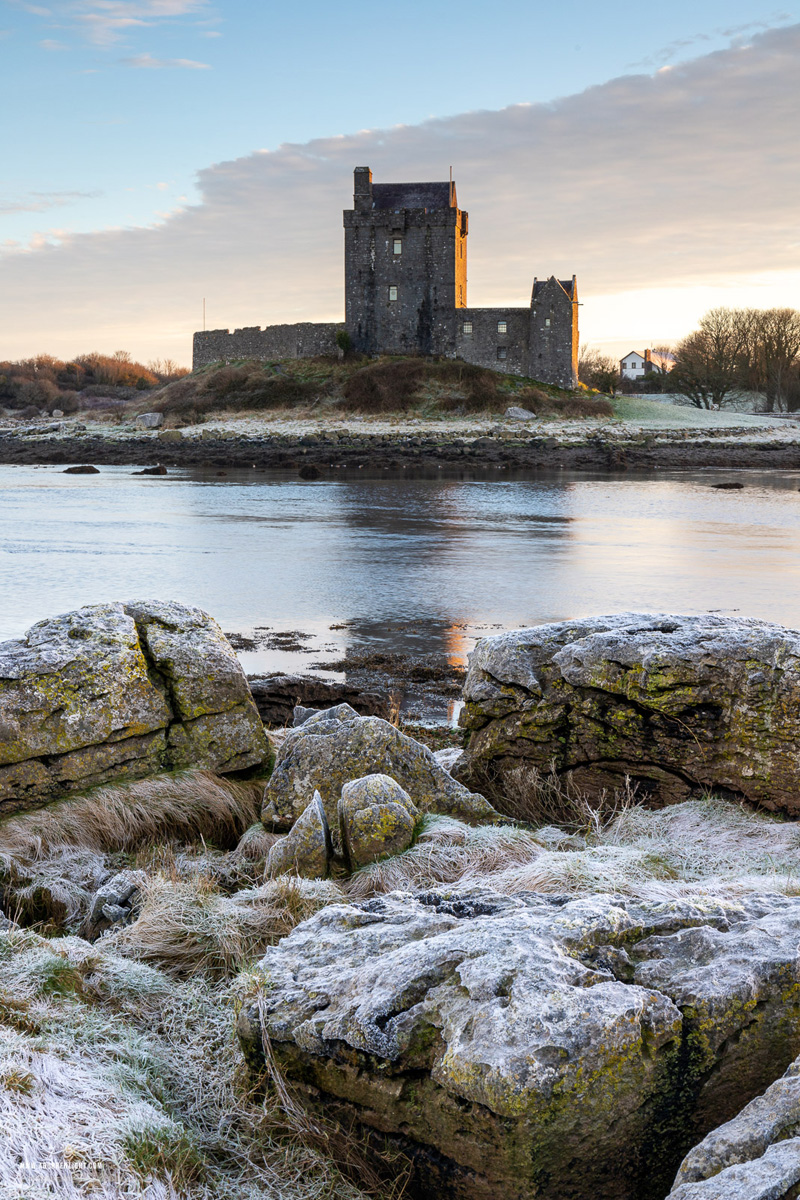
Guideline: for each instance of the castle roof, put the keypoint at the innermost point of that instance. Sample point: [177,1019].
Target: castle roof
[568,286]
[393,196]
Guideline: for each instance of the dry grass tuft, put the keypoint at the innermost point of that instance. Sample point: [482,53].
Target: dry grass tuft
[447,851]
[527,794]
[192,805]
[188,927]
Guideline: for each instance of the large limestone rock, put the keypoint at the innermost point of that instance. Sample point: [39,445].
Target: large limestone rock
[534,1045]
[120,691]
[676,703]
[336,746]
[756,1156]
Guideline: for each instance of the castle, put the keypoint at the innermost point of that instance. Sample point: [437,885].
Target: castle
[405,279]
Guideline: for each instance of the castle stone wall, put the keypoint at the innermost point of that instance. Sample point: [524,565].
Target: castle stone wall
[421,320]
[486,345]
[304,340]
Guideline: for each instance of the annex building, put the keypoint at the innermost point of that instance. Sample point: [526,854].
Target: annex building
[405,282]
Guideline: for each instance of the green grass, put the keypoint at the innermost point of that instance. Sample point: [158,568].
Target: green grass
[655,415]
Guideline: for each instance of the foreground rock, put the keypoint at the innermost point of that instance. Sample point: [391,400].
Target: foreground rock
[336,746]
[532,1045]
[756,1156]
[676,703]
[375,819]
[277,697]
[120,691]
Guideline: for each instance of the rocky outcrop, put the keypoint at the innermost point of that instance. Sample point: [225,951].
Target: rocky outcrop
[336,746]
[756,1156]
[678,704]
[120,691]
[277,696]
[534,1045]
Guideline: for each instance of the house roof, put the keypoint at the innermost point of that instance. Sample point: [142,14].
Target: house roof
[567,285]
[413,195]
[638,354]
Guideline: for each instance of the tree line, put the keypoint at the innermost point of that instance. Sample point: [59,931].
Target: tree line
[732,350]
[45,382]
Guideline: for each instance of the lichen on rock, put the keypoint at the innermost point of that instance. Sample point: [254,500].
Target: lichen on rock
[336,746]
[676,704]
[120,691]
[534,1045]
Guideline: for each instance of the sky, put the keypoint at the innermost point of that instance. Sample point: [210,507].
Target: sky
[158,153]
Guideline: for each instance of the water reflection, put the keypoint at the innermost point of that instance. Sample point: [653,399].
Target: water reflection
[414,565]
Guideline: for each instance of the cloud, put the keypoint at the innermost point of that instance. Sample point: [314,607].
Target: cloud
[104,22]
[686,178]
[50,44]
[42,201]
[677,48]
[147,62]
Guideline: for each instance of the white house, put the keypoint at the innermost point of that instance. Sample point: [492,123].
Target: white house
[635,365]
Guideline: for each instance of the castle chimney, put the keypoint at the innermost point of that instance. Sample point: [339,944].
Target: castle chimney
[362,189]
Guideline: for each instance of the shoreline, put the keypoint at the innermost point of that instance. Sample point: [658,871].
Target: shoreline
[505,449]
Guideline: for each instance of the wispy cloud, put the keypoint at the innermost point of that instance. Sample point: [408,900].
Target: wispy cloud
[43,201]
[106,22]
[677,49]
[149,63]
[677,179]
[51,44]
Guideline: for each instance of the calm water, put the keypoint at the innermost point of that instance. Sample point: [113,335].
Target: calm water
[410,564]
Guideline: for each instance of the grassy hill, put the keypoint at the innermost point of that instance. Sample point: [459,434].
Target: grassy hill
[359,385]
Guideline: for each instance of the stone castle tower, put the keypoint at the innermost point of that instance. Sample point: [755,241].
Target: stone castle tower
[405,266]
[405,271]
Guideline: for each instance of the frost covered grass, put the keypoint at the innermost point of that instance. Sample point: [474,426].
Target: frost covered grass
[188,927]
[701,846]
[53,860]
[118,1080]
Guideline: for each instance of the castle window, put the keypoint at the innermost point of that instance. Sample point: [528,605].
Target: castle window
[502,326]
[467,329]
[502,353]
[392,293]
[398,245]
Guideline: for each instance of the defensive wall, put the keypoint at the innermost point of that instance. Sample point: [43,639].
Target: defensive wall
[304,340]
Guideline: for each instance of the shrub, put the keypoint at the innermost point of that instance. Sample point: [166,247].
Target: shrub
[42,393]
[567,407]
[250,385]
[391,385]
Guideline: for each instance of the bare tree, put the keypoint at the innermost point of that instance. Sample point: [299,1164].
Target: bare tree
[774,351]
[709,362]
[598,370]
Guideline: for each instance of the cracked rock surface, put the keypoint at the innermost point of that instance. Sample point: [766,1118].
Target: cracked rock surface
[120,691]
[520,1046]
[676,703]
